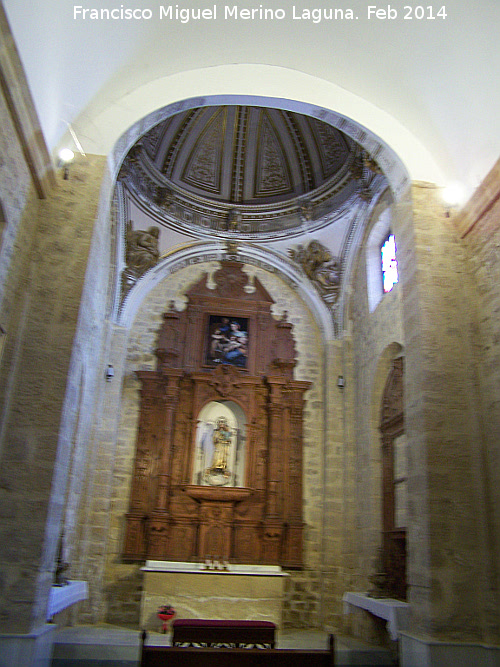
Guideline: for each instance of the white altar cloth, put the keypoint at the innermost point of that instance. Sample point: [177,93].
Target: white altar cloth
[395,612]
[61,597]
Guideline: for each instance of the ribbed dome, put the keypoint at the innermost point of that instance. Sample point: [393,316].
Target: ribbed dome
[247,155]
[255,170]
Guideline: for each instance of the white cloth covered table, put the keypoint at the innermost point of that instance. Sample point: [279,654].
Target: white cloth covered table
[61,597]
[395,612]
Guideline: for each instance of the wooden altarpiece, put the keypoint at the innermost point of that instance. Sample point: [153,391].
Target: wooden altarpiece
[181,512]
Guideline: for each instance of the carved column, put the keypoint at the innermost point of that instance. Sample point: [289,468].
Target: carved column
[145,468]
[170,396]
[158,524]
[273,527]
[274,471]
[194,337]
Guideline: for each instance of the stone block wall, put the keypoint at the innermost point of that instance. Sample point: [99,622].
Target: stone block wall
[20,209]
[303,600]
[38,415]
[354,507]
[478,226]
[447,512]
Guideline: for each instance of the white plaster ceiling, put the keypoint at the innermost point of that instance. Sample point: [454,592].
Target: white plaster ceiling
[427,88]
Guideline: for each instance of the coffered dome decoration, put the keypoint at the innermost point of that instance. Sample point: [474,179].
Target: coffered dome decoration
[246,169]
[247,155]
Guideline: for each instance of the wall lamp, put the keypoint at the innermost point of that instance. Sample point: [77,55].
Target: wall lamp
[453,197]
[340,382]
[109,373]
[65,158]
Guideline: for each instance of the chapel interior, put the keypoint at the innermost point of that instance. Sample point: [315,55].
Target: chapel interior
[248,351]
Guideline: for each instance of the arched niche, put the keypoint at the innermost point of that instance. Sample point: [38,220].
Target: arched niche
[394,482]
[220,461]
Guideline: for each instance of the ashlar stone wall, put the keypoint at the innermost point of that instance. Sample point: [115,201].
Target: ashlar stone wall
[353,512]
[478,227]
[38,412]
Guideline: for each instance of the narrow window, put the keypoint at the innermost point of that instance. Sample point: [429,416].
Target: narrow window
[389,263]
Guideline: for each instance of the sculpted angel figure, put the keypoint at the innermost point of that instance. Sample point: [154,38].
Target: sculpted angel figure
[320,266]
[142,249]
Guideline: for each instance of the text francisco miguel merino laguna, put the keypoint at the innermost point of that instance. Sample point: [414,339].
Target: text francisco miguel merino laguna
[210,13]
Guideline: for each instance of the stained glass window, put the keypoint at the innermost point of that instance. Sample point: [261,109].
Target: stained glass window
[389,263]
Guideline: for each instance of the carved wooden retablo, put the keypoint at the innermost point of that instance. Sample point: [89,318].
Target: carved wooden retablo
[218,468]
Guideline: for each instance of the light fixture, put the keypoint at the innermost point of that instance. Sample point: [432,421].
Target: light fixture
[340,382]
[110,373]
[66,156]
[453,196]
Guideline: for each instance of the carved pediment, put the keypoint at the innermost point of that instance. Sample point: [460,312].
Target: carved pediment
[226,380]
[231,283]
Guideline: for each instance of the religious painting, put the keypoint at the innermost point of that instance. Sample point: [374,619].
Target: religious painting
[227,341]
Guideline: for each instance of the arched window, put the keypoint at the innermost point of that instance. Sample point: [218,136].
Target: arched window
[394,483]
[389,263]
[380,258]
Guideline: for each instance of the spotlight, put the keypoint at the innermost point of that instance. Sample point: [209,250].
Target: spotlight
[65,157]
[453,196]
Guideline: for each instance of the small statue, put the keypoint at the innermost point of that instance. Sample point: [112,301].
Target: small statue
[233,220]
[306,209]
[222,443]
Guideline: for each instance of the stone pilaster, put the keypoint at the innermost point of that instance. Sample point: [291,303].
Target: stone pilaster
[446,519]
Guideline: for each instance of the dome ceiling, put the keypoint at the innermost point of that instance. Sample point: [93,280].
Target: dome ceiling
[243,168]
[248,155]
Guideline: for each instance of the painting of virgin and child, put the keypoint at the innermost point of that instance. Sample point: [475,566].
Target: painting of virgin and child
[228,340]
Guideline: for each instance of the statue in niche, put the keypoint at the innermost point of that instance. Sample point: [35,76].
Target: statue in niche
[306,209]
[218,474]
[321,267]
[233,220]
[222,443]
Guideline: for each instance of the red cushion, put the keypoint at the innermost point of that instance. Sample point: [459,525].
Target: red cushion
[207,623]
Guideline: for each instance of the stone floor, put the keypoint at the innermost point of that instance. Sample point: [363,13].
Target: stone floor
[110,646]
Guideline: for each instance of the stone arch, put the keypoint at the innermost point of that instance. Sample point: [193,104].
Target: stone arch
[390,163]
[387,420]
[250,80]
[250,255]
